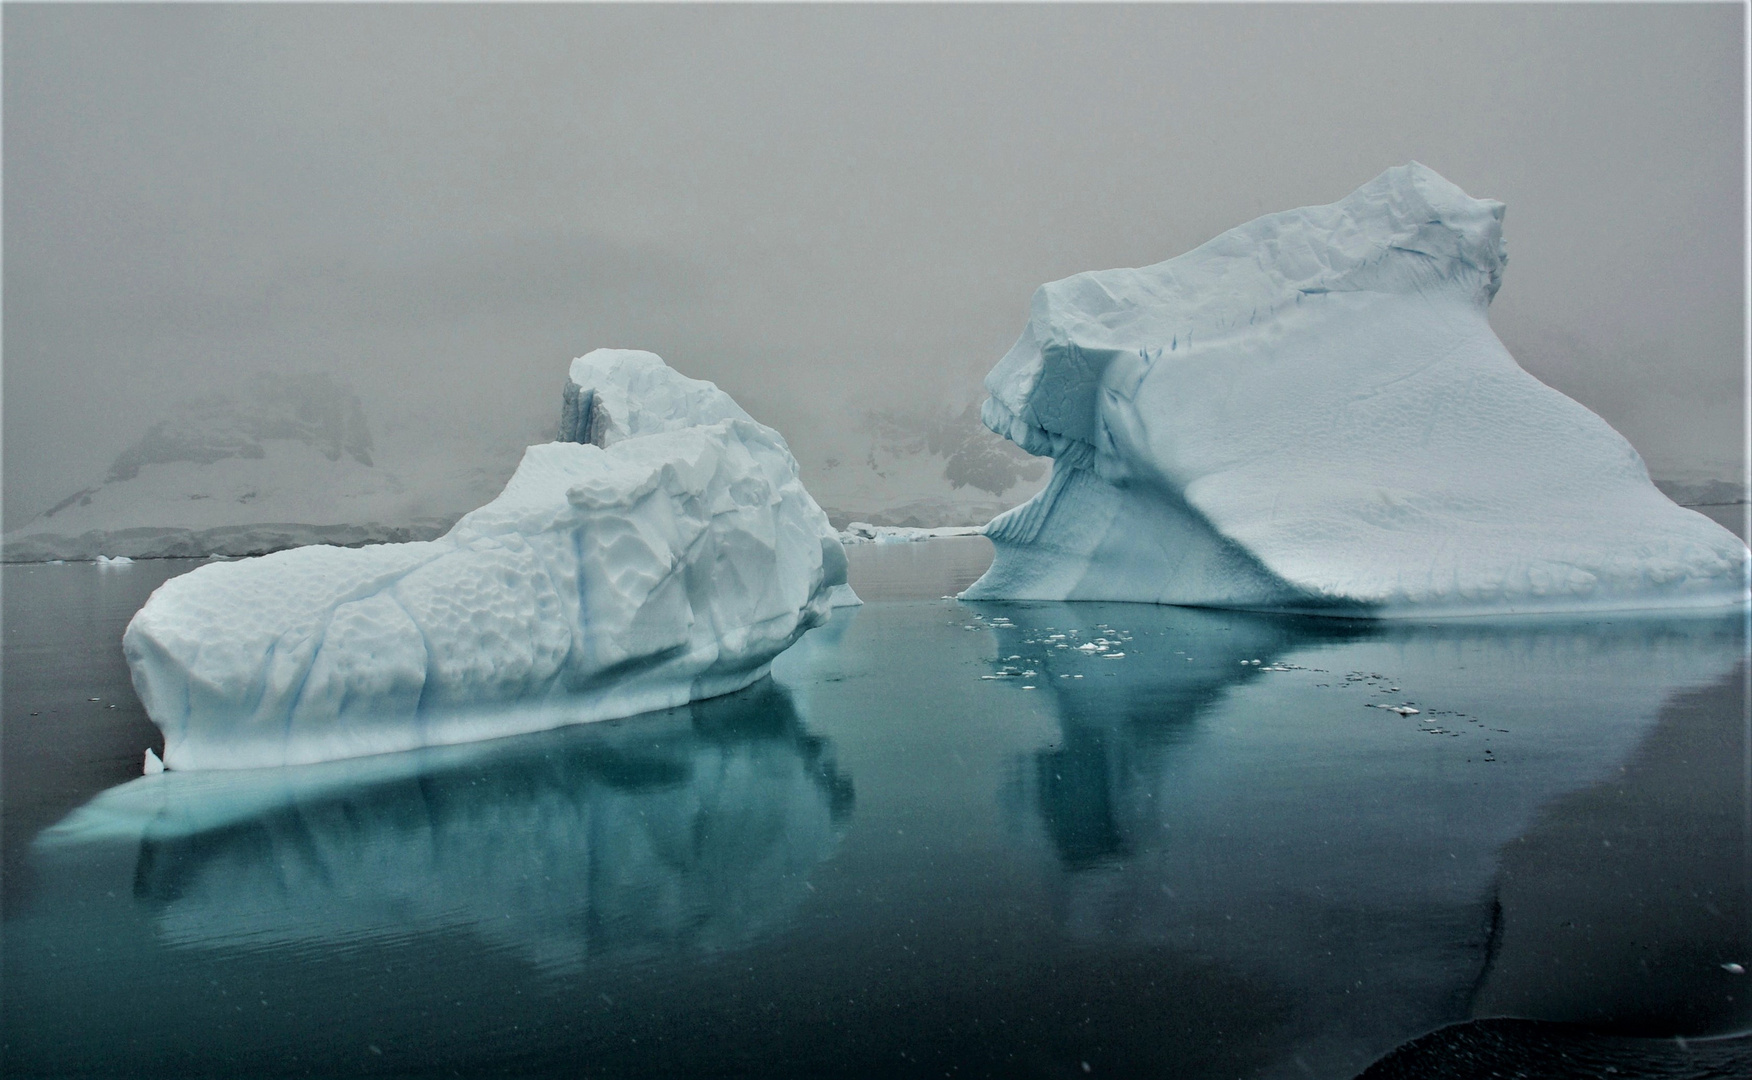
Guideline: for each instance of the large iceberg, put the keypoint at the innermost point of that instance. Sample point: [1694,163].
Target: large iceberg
[663,550]
[1311,413]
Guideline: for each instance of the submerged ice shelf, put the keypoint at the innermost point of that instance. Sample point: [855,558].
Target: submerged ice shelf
[1311,413]
[663,550]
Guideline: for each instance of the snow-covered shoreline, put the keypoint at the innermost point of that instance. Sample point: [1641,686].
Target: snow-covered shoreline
[226,541]
[244,541]
[862,532]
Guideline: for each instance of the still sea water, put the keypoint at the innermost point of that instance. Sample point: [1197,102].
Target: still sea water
[944,839]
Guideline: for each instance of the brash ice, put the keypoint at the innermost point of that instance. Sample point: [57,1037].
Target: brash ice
[663,550]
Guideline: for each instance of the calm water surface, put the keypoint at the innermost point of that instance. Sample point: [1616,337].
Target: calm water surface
[943,840]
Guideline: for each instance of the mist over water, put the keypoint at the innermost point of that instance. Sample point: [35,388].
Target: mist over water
[831,212]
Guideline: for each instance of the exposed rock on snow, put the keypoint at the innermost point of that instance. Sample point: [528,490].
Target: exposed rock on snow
[669,559]
[1311,413]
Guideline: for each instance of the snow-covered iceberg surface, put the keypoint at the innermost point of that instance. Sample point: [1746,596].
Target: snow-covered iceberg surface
[1311,413]
[663,551]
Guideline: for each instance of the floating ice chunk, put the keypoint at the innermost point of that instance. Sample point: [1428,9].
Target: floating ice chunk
[112,560]
[1311,413]
[667,558]
[153,764]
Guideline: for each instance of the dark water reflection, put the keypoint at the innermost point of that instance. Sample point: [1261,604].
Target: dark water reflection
[1086,839]
[695,829]
[1229,785]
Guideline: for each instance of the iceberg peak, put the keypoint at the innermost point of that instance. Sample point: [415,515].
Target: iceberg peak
[617,394]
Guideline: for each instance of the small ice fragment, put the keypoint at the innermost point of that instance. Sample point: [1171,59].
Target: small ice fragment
[1117,655]
[153,765]
[1402,710]
[1734,969]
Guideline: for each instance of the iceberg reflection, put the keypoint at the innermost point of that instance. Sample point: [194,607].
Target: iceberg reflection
[690,829]
[1225,788]
[1129,683]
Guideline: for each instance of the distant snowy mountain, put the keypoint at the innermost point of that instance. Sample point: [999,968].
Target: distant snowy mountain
[923,468]
[1722,501]
[289,461]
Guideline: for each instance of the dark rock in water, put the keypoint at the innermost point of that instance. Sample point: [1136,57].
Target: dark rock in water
[1480,1049]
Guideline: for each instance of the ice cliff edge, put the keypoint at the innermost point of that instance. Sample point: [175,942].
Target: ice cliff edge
[663,551]
[1311,413]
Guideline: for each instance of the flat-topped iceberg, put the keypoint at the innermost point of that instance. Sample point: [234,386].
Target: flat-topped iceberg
[1311,413]
[663,551]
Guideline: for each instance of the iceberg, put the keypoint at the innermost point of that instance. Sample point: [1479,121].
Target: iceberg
[661,551]
[1311,413]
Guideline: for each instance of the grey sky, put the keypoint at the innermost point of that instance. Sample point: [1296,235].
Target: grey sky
[819,208]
